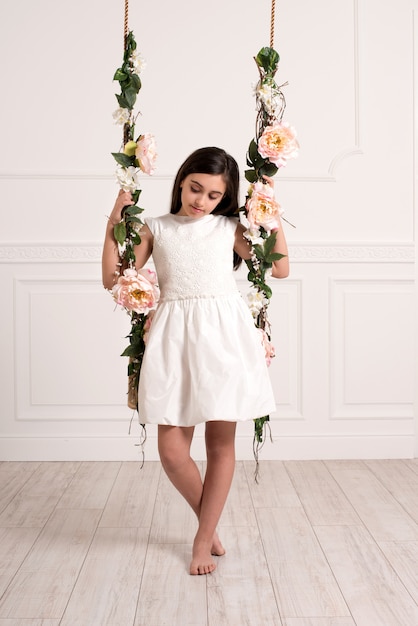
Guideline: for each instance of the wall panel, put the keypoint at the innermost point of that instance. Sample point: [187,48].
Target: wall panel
[372,355]
[342,323]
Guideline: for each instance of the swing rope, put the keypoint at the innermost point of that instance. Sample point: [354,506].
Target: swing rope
[125,23]
[272,16]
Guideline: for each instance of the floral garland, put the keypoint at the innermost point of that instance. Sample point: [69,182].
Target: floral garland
[274,143]
[136,291]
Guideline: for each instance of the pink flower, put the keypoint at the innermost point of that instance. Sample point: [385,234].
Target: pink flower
[278,143]
[267,345]
[262,208]
[146,153]
[137,290]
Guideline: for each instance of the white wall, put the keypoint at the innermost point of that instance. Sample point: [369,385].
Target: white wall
[343,322]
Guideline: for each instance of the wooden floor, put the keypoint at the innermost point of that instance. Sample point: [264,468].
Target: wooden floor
[108,544]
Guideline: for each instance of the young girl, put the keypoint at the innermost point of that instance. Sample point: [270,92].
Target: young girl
[204,361]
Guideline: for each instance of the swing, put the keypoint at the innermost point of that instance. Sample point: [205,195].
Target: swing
[273,144]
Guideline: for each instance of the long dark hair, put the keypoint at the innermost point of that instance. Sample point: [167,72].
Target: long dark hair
[214,161]
[210,161]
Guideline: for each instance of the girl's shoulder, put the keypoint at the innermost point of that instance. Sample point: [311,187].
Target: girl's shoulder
[229,222]
[157,223]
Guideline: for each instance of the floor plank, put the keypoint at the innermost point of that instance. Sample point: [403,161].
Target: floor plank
[374,593]
[323,500]
[29,622]
[43,584]
[319,621]
[240,590]
[379,511]
[107,589]
[403,556]
[34,503]
[303,581]
[90,486]
[169,595]
[13,476]
[401,481]
[274,488]
[412,464]
[131,501]
[15,543]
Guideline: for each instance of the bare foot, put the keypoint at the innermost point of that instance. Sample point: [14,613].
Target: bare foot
[217,547]
[202,562]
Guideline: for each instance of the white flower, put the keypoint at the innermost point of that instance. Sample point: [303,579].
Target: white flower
[253,235]
[243,219]
[269,97]
[121,116]
[128,177]
[256,301]
[138,62]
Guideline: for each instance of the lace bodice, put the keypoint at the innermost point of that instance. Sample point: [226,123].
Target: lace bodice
[193,256]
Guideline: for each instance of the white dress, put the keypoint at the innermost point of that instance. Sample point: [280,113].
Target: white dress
[204,359]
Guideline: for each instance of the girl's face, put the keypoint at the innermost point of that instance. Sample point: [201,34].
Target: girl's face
[200,194]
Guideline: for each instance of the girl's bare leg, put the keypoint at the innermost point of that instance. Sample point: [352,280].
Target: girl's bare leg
[209,498]
[174,447]
[220,453]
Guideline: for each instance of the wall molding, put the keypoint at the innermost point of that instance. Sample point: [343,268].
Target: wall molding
[356,252]
[310,252]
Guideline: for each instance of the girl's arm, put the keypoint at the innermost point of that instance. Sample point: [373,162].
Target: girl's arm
[280,269]
[110,256]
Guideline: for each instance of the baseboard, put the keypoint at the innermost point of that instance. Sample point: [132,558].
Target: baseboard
[126,448]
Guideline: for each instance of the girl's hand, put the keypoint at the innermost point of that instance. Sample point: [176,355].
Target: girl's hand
[269,180]
[123,199]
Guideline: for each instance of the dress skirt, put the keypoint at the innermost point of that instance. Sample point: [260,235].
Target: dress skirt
[204,361]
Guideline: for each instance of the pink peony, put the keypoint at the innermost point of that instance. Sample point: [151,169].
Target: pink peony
[262,208]
[278,143]
[137,290]
[267,345]
[146,153]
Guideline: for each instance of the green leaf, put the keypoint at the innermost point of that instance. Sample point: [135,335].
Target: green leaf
[133,220]
[259,428]
[269,243]
[267,290]
[259,252]
[268,169]
[133,350]
[120,232]
[132,210]
[136,239]
[268,59]
[274,256]
[123,103]
[251,176]
[123,159]
[136,82]
[120,75]
[130,95]
[253,151]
